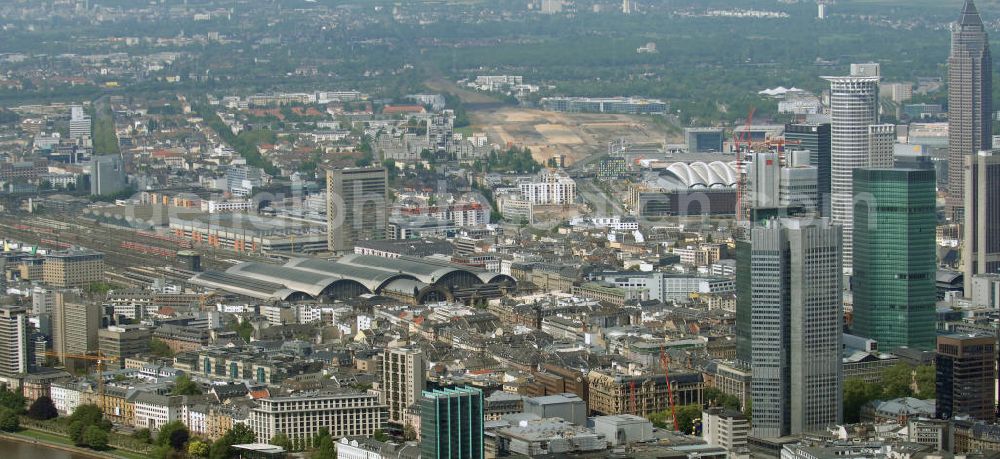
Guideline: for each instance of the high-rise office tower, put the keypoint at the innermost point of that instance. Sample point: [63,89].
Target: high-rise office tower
[796,326]
[853,108]
[403,380]
[107,175]
[970,99]
[744,301]
[981,238]
[815,138]
[895,258]
[79,123]
[799,183]
[881,140]
[763,177]
[965,368]
[75,323]
[14,341]
[451,424]
[356,201]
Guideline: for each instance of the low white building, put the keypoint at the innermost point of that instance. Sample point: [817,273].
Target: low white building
[65,396]
[302,416]
[367,448]
[195,417]
[229,205]
[551,187]
[726,428]
[152,411]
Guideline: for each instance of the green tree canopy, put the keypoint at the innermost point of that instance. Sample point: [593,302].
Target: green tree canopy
[95,437]
[198,448]
[897,381]
[715,397]
[238,435]
[280,439]
[8,420]
[325,448]
[185,386]
[143,435]
[174,434]
[159,348]
[12,400]
[90,414]
[75,432]
[43,409]
[689,419]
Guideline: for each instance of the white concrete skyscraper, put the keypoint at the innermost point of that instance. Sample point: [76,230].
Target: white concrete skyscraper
[403,380]
[14,339]
[853,108]
[796,331]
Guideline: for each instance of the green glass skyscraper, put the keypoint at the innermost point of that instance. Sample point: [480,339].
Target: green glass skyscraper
[451,424]
[894,257]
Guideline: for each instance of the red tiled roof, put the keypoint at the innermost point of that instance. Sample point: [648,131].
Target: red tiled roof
[394,109]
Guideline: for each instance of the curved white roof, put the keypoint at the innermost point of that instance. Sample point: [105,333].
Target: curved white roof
[687,175]
[726,171]
[717,174]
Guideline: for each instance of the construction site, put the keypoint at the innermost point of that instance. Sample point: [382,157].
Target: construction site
[570,136]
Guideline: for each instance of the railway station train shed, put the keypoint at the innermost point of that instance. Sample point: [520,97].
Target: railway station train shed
[411,279]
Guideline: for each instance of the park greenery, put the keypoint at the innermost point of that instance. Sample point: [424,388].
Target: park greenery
[514,160]
[11,406]
[689,416]
[242,328]
[88,428]
[183,385]
[159,348]
[43,409]
[900,380]
[105,138]
[709,69]
[245,143]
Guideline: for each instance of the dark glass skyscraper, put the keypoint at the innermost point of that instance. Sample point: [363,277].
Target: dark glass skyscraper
[965,371]
[451,424]
[894,257]
[814,137]
[970,99]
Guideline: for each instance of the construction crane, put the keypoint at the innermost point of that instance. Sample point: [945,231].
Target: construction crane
[99,358]
[665,363]
[779,144]
[203,300]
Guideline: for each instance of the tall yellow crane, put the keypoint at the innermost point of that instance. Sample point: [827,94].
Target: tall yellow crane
[99,358]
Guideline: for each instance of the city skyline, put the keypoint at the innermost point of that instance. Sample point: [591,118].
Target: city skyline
[547,228]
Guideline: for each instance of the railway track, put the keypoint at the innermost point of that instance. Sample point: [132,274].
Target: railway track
[122,248]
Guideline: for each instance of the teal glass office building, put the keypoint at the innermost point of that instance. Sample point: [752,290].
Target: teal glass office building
[451,424]
[894,257]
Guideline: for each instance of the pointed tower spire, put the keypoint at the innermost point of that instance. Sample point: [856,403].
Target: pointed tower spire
[970,15]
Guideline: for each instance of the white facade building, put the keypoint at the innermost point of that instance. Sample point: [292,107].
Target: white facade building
[799,182]
[152,411]
[302,416]
[728,429]
[853,108]
[552,187]
[65,396]
[230,205]
[79,123]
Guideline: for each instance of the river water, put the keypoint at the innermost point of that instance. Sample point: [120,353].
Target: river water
[10,449]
